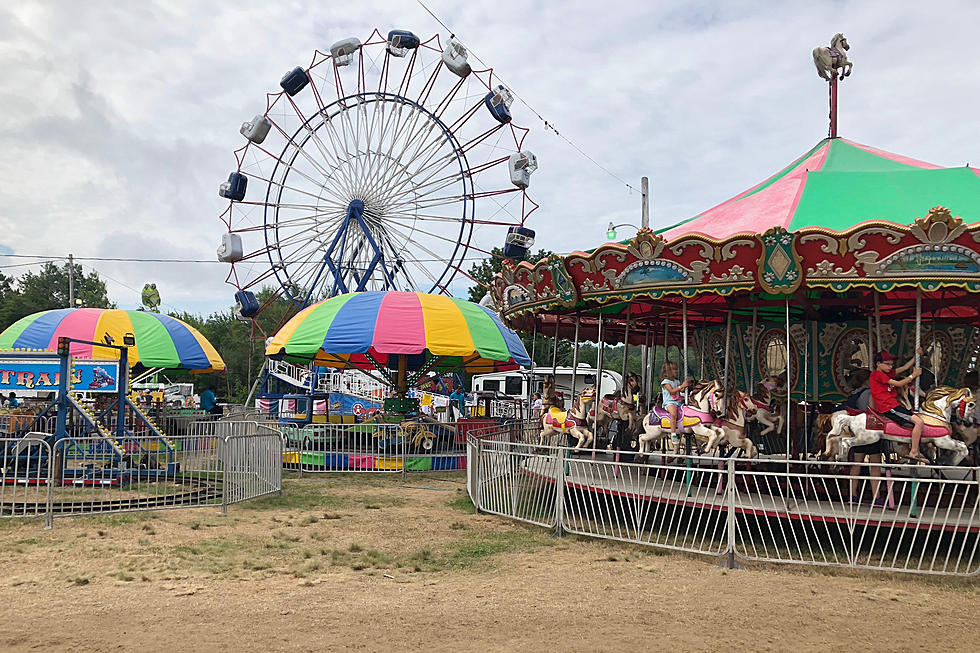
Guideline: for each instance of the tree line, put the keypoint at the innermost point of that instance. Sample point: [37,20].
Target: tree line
[241,344]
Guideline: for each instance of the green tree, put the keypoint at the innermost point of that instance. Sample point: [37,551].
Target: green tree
[48,289]
[485,271]
[241,346]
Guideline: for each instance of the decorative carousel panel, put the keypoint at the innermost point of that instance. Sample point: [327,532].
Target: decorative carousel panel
[934,252]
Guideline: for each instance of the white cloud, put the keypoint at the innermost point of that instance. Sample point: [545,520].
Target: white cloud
[120,119]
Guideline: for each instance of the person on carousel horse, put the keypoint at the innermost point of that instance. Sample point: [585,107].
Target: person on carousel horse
[884,388]
[673,401]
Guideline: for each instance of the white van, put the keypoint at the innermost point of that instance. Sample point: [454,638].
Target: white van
[523,383]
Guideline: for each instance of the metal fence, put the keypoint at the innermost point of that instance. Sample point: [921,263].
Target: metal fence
[373,447]
[217,464]
[885,517]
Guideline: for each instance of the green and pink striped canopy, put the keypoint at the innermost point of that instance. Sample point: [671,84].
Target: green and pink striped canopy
[161,341]
[838,185]
[350,330]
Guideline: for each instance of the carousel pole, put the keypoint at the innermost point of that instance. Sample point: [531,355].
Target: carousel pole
[877,323]
[871,344]
[813,358]
[626,340]
[701,340]
[666,329]
[597,400]
[534,342]
[728,347]
[789,389]
[578,318]
[752,352]
[554,353]
[918,341]
[687,392]
[645,363]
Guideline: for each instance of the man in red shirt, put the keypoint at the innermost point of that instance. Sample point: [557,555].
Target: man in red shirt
[884,387]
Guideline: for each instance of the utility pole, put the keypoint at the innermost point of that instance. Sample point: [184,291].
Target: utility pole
[71,282]
[645,192]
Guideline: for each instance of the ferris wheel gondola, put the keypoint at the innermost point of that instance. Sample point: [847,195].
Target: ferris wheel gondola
[385,165]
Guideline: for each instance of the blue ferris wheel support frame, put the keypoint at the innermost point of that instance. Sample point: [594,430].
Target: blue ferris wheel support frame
[355,211]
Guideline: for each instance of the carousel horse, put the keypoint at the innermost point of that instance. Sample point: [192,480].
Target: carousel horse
[938,411]
[549,397]
[697,418]
[829,60]
[738,407]
[573,422]
[617,406]
[764,412]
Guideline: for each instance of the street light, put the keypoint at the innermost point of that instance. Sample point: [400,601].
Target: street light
[611,231]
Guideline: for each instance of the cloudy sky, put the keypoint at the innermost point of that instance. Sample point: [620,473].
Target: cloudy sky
[119,119]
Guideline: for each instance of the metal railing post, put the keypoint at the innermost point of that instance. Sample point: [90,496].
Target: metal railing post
[223,457]
[730,562]
[49,507]
[405,452]
[477,486]
[559,456]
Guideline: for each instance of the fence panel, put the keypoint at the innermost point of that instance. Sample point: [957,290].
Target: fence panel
[517,481]
[252,466]
[94,474]
[24,472]
[907,519]
[680,504]
[372,447]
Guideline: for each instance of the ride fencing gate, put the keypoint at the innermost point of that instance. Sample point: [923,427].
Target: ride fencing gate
[212,463]
[375,447]
[927,519]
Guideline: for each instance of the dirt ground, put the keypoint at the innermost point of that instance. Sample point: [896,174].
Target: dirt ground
[369,563]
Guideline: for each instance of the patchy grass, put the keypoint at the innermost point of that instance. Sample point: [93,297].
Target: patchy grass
[462,503]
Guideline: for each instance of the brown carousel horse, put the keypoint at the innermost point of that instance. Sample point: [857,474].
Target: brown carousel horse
[738,406]
[618,406]
[574,422]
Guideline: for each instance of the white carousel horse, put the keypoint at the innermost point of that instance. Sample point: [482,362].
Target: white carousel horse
[573,422]
[737,409]
[697,418]
[936,411]
[764,414]
[829,60]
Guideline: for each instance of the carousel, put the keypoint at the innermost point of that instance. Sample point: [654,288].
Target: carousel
[775,303]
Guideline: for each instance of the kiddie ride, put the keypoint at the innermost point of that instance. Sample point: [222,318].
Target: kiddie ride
[91,445]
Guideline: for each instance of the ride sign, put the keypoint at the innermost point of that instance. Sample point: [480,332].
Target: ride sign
[44,375]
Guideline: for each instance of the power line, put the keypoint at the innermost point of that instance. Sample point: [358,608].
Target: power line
[116,259]
[548,125]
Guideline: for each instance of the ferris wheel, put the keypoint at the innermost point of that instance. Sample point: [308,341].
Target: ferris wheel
[385,165]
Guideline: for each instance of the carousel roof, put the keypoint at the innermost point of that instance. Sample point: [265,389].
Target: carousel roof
[837,185]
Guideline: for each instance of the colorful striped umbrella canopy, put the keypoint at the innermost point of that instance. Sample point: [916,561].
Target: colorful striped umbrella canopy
[161,341]
[349,330]
[838,185]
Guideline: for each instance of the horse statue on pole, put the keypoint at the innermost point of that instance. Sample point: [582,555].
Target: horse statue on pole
[697,418]
[833,59]
[764,412]
[573,422]
[738,408]
[941,406]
